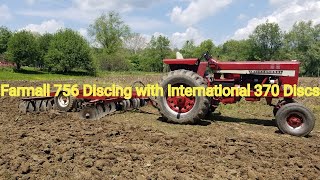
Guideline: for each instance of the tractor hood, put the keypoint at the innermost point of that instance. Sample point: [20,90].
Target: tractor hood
[193,61]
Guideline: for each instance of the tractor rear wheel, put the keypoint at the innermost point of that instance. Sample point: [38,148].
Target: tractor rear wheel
[295,119]
[183,109]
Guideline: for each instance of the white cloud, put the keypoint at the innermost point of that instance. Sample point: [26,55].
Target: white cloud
[144,23]
[87,10]
[122,6]
[196,11]
[157,34]
[242,17]
[179,38]
[281,2]
[286,14]
[84,32]
[50,26]
[30,2]
[5,13]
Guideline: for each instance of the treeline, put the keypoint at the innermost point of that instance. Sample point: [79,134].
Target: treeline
[268,42]
[114,47]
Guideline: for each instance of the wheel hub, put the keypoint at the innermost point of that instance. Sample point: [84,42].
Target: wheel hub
[63,101]
[181,104]
[294,121]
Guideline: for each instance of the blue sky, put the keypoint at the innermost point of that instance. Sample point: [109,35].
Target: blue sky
[180,20]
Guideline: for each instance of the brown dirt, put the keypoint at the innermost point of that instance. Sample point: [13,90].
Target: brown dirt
[136,145]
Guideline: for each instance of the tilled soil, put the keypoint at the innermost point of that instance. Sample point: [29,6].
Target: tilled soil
[136,145]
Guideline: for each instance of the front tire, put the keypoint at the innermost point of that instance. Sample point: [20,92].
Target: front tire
[295,119]
[183,110]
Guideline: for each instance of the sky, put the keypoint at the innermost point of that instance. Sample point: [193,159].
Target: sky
[179,20]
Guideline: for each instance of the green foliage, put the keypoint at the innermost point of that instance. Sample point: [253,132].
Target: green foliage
[301,43]
[267,40]
[109,31]
[5,35]
[44,44]
[205,46]
[301,37]
[69,50]
[312,60]
[188,49]
[157,50]
[22,49]
[236,50]
[117,61]
[115,48]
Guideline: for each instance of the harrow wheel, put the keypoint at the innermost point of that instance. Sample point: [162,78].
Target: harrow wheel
[48,105]
[135,103]
[138,103]
[89,113]
[113,107]
[295,119]
[100,109]
[30,106]
[129,104]
[142,102]
[183,110]
[65,103]
[123,105]
[40,106]
[23,107]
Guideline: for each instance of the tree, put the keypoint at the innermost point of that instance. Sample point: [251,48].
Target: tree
[68,50]
[236,50]
[109,31]
[188,49]
[135,42]
[44,44]
[267,40]
[311,59]
[205,46]
[22,49]
[157,50]
[5,35]
[301,37]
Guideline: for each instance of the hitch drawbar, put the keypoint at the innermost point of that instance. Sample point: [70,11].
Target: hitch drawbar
[90,108]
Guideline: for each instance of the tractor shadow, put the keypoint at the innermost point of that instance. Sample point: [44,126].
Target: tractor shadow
[217,117]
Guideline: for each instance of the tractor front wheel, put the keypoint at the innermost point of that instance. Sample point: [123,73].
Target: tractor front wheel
[295,119]
[183,109]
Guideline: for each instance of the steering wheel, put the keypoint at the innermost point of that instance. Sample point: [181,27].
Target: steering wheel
[209,58]
[206,56]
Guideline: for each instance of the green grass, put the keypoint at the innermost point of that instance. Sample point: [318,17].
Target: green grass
[33,74]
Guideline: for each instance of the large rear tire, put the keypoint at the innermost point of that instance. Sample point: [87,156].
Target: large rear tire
[295,119]
[183,110]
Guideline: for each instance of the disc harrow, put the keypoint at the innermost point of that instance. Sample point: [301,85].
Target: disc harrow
[88,108]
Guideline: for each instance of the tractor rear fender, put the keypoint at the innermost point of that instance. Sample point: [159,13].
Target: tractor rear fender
[188,64]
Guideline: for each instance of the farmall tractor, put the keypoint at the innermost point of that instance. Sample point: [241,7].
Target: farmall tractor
[291,117]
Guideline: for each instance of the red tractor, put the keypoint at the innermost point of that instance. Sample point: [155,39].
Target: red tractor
[291,117]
